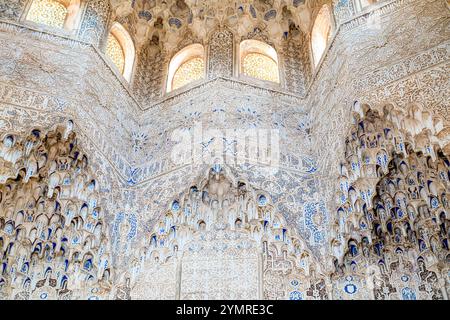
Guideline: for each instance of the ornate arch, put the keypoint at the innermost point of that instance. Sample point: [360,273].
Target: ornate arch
[223,225]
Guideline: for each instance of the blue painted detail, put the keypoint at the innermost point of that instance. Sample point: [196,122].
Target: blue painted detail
[175,206]
[350,288]
[295,295]
[262,200]
[408,294]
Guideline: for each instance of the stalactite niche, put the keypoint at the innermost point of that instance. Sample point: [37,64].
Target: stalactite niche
[53,237]
[392,223]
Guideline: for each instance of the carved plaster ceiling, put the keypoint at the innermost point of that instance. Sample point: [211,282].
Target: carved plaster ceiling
[169,20]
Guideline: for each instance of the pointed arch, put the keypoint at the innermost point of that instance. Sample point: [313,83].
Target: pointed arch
[62,14]
[363,4]
[259,60]
[186,66]
[120,50]
[321,33]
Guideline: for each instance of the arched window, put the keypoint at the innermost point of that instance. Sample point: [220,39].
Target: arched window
[63,14]
[321,32]
[365,3]
[120,50]
[186,66]
[259,60]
